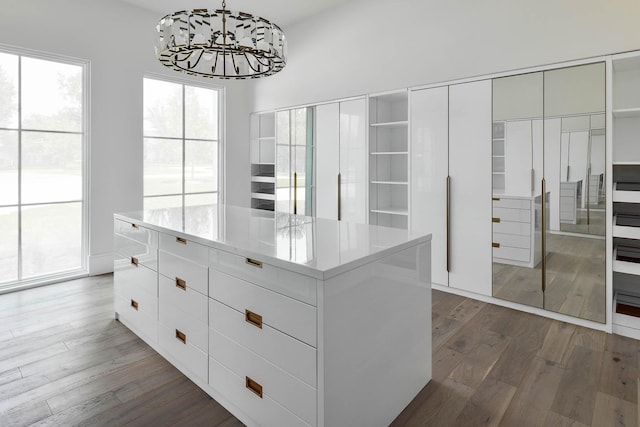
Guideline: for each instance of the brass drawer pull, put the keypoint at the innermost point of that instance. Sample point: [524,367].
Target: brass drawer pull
[181,284]
[181,240]
[180,336]
[495,245]
[495,199]
[253,318]
[136,226]
[253,386]
[134,260]
[495,219]
[254,262]
[134,304]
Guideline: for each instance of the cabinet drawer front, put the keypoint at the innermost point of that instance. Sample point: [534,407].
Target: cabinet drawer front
[512,203]
[135,232]
[195,332]
[512,240]
[194,252]
[194,275]
[516,254]
[143,325]
[143,253]
[515,215]
[187,300]
[285,314]
[289,283]
[280,386]
[264,411]
[137,283]
[508,227]
[185,356]
[289,354]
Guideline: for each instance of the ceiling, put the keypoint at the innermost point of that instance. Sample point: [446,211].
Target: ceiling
[280,12]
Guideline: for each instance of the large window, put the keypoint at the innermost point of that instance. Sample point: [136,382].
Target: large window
[42,177]
[181,144]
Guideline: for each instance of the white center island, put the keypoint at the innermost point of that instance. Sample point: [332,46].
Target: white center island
[285,320]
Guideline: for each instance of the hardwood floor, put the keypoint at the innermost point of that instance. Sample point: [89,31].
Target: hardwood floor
[64,360]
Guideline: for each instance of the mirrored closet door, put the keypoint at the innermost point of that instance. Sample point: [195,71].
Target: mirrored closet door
[549,190]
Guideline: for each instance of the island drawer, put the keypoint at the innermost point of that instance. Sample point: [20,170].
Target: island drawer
[134,318]
[515,215]
[136,232]
[174,295]
[286,282]
[181,347]
[288,391]
[187,249]
[142,253]
[192,274]
[516,254]
[511,203]
[240,392]
[285,314]
[185,327]
[289,354]
[137,282]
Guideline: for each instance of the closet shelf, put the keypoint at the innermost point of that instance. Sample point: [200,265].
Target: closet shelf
[626,226]
[628,192]
[627,304]
[626,260]
[263,196]
[391,210]
[388,153]
[390,182]
[401,123]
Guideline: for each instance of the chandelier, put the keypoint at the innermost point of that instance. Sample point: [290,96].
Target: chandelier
[220,43]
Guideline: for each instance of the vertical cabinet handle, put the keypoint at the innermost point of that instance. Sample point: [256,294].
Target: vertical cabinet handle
[543,224]
[134,261]
[254,386]
[339,197]
[180,283]
[180,336]
[448,206]
[253,318]
[295,193]
[134,304]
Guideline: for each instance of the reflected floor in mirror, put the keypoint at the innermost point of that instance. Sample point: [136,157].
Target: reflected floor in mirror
[596,223]
[575,279]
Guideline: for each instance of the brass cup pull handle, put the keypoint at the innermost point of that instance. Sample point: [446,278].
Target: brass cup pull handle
[495,245]
[180,283]
[253,318]
[134,304]
[181,240]
[495,219]
[254,386]
[135,226]
[253,262]
[181,336]
[134,260]
[495,199]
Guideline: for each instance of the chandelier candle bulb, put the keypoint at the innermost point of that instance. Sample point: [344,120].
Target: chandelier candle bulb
[220,43]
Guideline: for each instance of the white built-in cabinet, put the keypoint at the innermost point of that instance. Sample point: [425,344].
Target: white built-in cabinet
[262,152]
[450,192]
[341,156]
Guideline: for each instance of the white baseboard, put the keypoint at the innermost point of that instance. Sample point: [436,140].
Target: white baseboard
[100,264]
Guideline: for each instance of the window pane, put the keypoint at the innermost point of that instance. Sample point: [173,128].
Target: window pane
[201,113]
[51,239]
[162,202]
[51,167]
[9,244]
[8,91]
[162,109]
[201,166]
[8,167]
[201,199]
[51,95]
[162,166]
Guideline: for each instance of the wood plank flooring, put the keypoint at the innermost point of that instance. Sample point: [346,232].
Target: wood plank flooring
[64,360]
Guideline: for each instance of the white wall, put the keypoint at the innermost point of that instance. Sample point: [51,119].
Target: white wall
[366,46]
[118,40]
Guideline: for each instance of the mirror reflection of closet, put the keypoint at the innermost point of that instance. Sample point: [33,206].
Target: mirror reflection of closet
[549,127]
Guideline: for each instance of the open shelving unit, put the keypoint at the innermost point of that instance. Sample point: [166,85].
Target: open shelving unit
[263,159]
[498,157]
[626,195]
[389,159]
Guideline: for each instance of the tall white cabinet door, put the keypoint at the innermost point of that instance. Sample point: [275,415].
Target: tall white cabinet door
[470,171]
[353,161]
[327,159]
[429,169]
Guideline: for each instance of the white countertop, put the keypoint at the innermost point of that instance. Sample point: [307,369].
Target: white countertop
[317,247]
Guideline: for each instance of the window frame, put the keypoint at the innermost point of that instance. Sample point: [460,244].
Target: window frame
[85,201]
[221,139]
